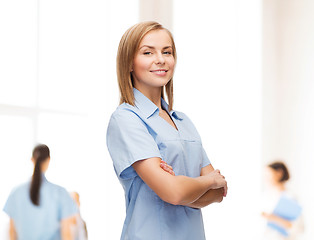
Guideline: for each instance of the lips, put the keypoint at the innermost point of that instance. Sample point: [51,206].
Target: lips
[159,70]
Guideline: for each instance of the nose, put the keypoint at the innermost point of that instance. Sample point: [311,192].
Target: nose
[159,59]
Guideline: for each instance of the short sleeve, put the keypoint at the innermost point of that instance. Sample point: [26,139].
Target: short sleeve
[67,205]
[10,206]
[128,141]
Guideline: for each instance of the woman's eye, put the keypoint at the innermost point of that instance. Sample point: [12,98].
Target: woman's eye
[147,53]
[168,52]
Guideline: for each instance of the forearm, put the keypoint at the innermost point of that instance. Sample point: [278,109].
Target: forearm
[280,221]
[187,190]
[211,196]
[177,190]
[12,235]
[12,232]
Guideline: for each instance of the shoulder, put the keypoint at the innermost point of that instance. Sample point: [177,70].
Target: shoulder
[17,196]
[126,114]
[20,189]
[57,189]
[124,110]
[63,200]
[59,194]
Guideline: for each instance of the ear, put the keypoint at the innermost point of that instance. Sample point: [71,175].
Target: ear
[33,160]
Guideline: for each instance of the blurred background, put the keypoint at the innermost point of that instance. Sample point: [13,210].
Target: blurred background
[244,76]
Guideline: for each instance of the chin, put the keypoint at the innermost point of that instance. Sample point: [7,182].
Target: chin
[162,83]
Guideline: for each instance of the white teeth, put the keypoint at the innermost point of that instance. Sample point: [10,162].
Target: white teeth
[159,71]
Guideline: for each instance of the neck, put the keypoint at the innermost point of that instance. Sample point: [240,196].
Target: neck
[280,186]
[153,94]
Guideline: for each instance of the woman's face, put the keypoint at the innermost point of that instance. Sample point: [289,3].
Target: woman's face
[153,64]
[273,176]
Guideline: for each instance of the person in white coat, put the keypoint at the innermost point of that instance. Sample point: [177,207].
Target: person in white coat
[282,213]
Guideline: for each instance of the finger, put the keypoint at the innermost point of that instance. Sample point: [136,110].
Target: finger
[163,166]
[169,166]
[162,161]
[225,191]
[166,168]
[165,163]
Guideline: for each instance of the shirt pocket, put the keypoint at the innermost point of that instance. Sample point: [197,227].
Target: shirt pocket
[193,150]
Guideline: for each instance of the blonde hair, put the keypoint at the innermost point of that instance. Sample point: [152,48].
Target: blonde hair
[128,47]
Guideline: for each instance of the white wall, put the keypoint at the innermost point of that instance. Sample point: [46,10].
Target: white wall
[157,10]
[58,86]
[218,84]
[289,94]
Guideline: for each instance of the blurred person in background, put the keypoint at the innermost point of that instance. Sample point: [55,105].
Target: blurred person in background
[78,226]
[156,151]
[38,209]
[283,213]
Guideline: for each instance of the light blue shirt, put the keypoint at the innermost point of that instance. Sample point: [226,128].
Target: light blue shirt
[136,133]
[39,222]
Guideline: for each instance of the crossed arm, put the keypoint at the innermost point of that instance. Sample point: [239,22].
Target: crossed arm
[211,196]
[181,190]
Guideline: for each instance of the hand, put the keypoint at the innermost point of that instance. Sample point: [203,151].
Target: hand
[166,167]
[266,215]
[218,181]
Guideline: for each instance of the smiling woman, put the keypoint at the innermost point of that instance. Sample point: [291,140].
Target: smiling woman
[145,134]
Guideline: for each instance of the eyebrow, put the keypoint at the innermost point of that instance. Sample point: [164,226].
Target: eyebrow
[154,47]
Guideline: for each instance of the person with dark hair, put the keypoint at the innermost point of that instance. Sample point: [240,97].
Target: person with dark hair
[40,210]
[156,151]
[284,214]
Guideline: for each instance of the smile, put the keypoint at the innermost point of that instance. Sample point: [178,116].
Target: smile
[159,71]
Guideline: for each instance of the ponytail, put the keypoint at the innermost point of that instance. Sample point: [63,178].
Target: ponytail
[40,154]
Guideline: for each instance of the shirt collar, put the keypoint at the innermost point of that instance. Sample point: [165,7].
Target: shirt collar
[148,107]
